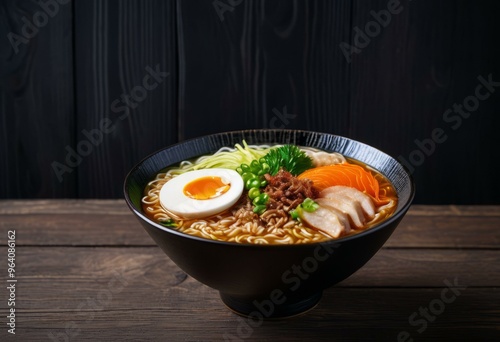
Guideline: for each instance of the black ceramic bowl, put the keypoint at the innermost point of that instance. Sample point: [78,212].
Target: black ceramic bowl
[266,281]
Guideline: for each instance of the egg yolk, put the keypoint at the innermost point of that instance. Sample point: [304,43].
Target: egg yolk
[205,188]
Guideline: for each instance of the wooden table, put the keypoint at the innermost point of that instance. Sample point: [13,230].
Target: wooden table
[86,270]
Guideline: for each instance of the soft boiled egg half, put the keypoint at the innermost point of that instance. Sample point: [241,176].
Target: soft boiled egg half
[201,193]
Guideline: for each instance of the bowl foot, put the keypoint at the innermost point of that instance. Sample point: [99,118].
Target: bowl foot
[266,309]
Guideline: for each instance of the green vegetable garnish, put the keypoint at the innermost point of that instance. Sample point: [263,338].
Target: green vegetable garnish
[252,183]
[308,205]
[261,199]
[253,193]
[294,214]
[168,223]
[289,157]
[259,209]
[253,178]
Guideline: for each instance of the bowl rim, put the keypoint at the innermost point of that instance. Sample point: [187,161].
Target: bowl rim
[396,216]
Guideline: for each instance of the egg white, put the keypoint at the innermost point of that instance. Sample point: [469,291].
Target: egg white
[173,199]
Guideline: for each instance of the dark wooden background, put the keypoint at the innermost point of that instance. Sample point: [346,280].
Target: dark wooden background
[266,64]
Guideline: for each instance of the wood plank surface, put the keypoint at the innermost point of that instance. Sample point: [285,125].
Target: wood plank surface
[145,294]
[149,265]
[342,315]
[86,270]
[80,223]
[87,230]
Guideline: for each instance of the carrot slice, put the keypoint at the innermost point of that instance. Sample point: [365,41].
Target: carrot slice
[346,174]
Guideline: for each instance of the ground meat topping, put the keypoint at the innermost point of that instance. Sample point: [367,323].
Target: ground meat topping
[286,191]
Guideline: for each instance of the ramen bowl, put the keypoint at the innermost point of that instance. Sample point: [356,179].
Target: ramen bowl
[269,281]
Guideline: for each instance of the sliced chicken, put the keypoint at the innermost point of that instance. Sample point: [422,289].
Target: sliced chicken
[353,194]
[343,218]
[347,206]
[340,208]
[325,220]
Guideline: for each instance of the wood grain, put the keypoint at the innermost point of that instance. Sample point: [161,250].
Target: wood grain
[85,270]
[150,266]
[410,74]
[80,223]
[87,230]
[68,206]
[36,101]
[342,315]
[262,57]
[117,44]
[258,64]
[152,297]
